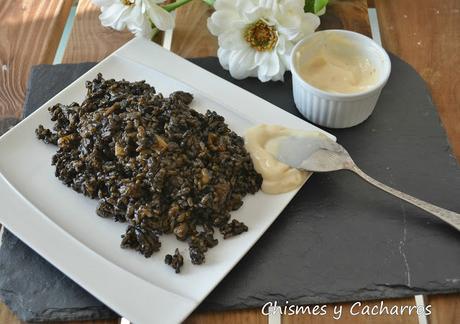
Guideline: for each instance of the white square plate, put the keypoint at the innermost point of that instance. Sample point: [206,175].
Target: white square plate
[62,225]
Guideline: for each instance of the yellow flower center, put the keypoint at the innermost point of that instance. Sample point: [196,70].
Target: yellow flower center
[261,36]
[127,2]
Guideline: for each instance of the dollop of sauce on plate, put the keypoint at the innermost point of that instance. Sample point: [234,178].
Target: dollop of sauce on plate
[338,66]
[263,144]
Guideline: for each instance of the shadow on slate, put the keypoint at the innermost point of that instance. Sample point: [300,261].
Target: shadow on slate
[338,240]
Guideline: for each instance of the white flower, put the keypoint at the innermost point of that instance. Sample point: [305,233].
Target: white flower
[256,37]
[136,15]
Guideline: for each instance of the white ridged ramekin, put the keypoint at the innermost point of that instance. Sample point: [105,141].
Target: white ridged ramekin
[339,110]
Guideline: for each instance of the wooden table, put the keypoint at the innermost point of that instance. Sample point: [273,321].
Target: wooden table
[425,33]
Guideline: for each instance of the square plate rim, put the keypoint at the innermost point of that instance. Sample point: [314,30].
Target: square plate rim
[19,202]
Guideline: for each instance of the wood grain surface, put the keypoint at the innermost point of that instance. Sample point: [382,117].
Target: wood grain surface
[446,309]
[426,34]
[348,317]
[89,41]
[30,32]
[347,14]
[7,316]
[191,37]
[246,316]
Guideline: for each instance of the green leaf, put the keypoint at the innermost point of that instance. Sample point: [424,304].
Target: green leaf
[309,6]
[315,6]
[320,4]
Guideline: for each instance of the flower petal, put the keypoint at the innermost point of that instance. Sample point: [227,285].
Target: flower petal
[242,63]
[284,49]
[224,57]
[224,20]
[246,5]
[309,23]
[115,16]
[252,14]
[292,4]
[225,5]
[162,19]
[233,40]
[269,66]
[104,3]
[268,4]
[141,27]
[135,17]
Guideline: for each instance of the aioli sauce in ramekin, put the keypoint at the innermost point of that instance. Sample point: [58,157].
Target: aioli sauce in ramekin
[338,66]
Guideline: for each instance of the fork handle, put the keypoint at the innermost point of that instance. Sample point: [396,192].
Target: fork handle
[448,216]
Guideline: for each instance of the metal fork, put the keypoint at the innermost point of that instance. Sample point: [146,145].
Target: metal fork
[331,156]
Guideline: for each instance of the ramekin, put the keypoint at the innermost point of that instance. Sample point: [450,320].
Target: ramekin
[339,110]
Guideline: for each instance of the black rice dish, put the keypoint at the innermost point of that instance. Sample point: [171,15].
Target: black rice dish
[153,163]
[176,261]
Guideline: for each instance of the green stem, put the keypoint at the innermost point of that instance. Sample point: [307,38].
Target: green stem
[155,32]
[173,6]
[315,6]
[209,2]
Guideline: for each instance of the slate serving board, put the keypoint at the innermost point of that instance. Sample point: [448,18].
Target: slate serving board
[338,240]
